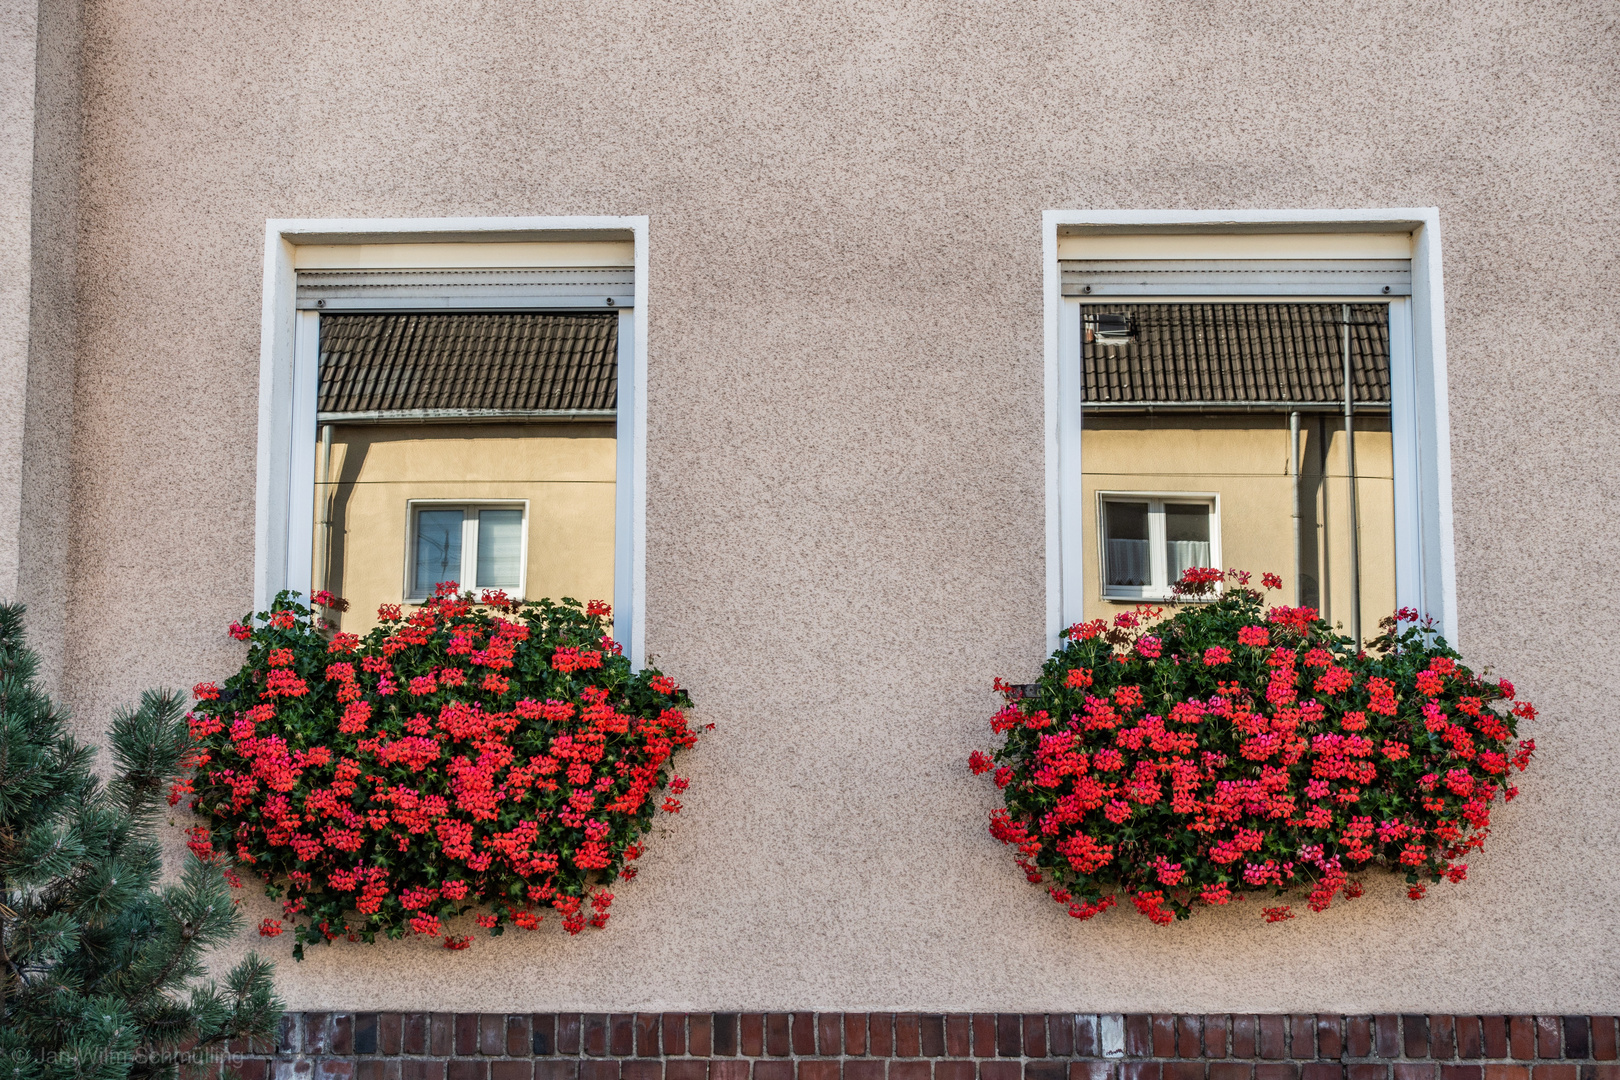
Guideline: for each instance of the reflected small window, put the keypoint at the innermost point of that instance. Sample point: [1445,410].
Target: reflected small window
[476,547]
[1148,543]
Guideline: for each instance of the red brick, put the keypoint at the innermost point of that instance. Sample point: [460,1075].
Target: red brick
[907,1036]
[1273,1038]
[954,1070]
[373,1070]
[829,1033]
[644,1070]
[773,1070]
[1047,1070]
[1507,1072]
[599,1070]
[1600,1072]
[1358,1036]
[647,1025]
[725,1034]
[511,1070]
[555,1069]
[1000,1070]
[931,1035]
[1549,1039]
[1269,1070]
[1603,1038]
[1443,1037]
[1091,1070]
[1557,1072]
[1245,1040]
[1387,1035]
[1059,1034]
[1415,1070]
[1321,1070]
[1183,1070]
[778,1040]
[750,1035]
[1140,1070]
[1577,1037]
[1416,1029]
[258,1069]
[910,1070]
[698,1069]
[1521,1037]
[1035,1035]
[1230,1070]
[1493,1032]
[880,1034]
[728,1070]
[1009,1034]
[466,1033]
[804,1033]
[1189,1036]
[568,1027]
[672,1028]
[855,1033]
[622,1034]
[1215,1026]
[1462,1072]
[467,1069]
[984,1035]
[700,1034]
[426,1070]
[1138,1035]
[1366,1072]
[1330,1037]
[1302,1037]
[958,1035]
[491,1034]
[1086,1036]
[1164,1035]
[864,1070]
[1470,1040]
[815,1070]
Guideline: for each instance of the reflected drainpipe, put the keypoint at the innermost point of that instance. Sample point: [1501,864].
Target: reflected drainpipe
[1350,469]
[323,531]
[1293,472]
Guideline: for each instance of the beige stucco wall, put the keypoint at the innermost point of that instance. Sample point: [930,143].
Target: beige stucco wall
[1243,462]
[845,523]
[564,472]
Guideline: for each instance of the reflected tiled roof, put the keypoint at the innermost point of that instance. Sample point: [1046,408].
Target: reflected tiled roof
[485,360]
[1224,353]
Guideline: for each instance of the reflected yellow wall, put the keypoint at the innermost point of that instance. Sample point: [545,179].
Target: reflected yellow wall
[1244,461]
[565,471]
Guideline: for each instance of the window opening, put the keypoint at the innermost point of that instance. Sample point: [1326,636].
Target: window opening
[1275,414]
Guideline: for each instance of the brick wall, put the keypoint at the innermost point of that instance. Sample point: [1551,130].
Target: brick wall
[911,1046]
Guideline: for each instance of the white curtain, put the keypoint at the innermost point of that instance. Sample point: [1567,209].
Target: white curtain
[1129,562]
[1182,555]
[500,548]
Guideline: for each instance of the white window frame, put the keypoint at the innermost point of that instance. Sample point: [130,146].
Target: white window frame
[1156,550]
[469,542]
[288,368]
[1425,556]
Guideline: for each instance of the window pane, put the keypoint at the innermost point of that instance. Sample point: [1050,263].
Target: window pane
[1186,538]
[438,549]
[1127,555]
[1245,400]
[449,411]
[500,548]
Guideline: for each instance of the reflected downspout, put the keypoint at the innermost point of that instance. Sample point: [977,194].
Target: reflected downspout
[1350,470]
[1293,472]
[323,528]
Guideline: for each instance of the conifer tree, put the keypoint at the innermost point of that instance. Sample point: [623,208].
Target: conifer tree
[102,972]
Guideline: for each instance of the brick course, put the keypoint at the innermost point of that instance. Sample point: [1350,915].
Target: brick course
[929,1046]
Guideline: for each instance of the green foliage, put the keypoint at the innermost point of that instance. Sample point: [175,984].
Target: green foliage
[103,962]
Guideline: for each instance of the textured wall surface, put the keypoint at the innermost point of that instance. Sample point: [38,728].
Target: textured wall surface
[845,530]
